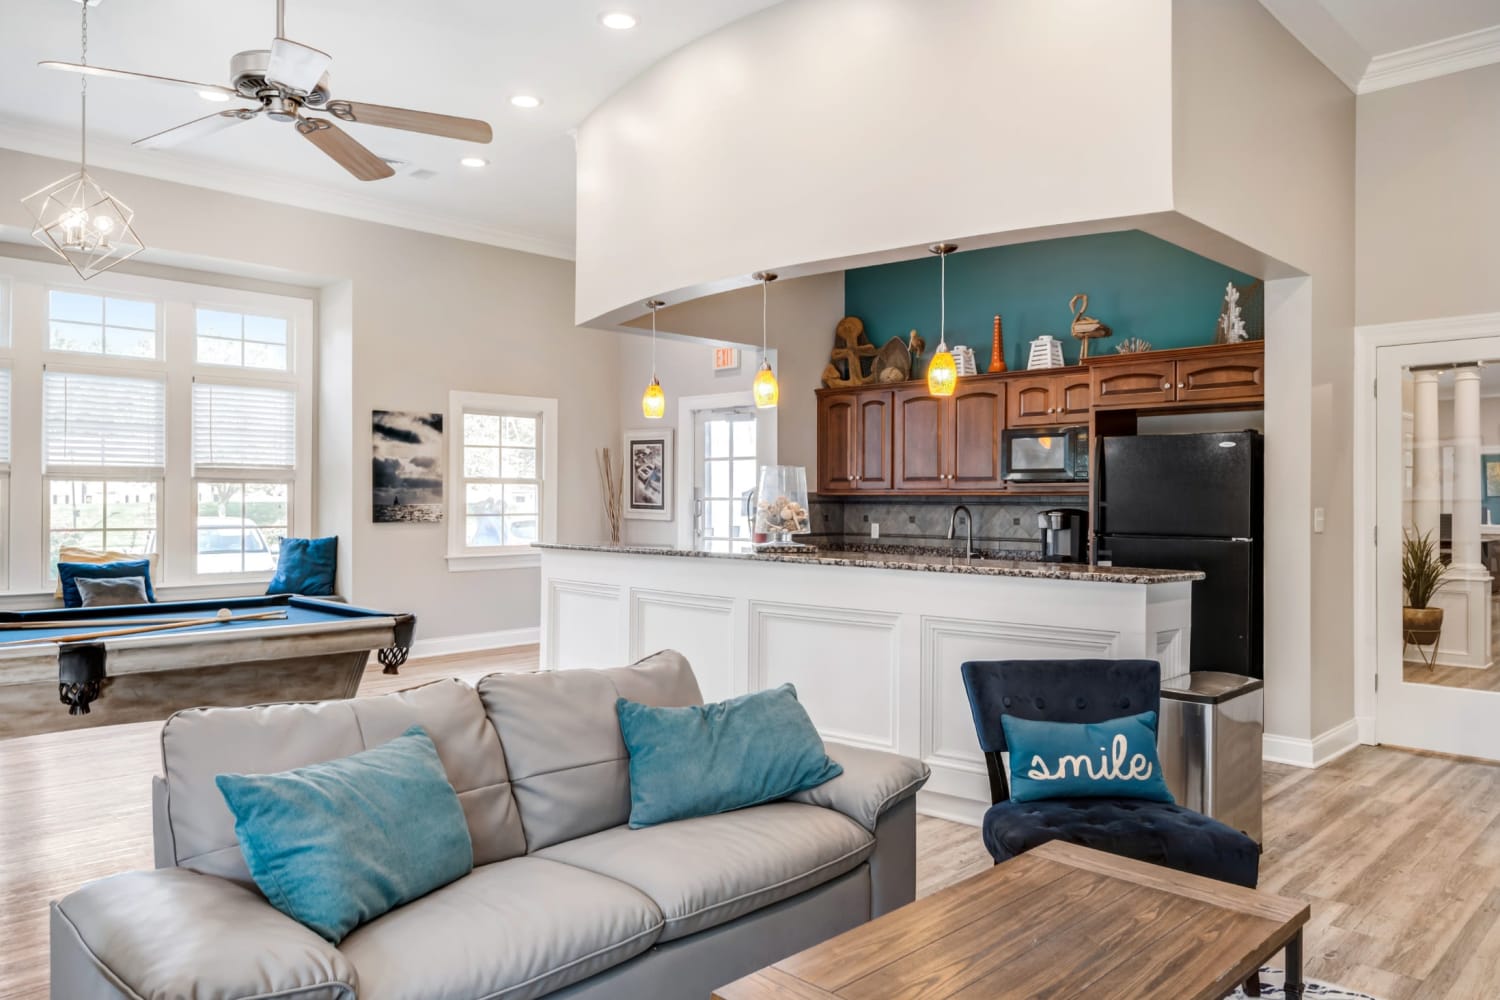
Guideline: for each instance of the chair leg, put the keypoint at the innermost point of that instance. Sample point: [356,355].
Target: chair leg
[1252,985]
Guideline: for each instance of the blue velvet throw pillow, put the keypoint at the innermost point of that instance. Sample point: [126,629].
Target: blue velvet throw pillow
[1074,760]
[68,573]
[336,844]
[707,759]
[306,567]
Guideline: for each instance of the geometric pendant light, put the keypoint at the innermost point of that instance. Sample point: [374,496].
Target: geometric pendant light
[764,389]
[942,371]
[74,217]
[654,401]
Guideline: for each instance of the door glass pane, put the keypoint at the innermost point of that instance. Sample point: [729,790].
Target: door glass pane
[744,437]
[744,476]
[716,444]
[716,479]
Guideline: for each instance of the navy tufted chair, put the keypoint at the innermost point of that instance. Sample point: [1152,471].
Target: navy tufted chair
[1092,691]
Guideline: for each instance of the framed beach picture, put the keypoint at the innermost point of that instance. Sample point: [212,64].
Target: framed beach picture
[1491,476]
[648,475]
[408,467]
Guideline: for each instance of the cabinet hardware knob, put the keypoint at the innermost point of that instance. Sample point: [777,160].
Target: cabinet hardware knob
[1166,385]
[1180,385]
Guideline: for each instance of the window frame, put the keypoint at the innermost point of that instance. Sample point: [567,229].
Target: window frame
[103,474]
[91,357]
[242,481]
[292,353]
[463,557]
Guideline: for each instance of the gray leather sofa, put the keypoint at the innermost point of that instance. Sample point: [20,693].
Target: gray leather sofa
[564,900]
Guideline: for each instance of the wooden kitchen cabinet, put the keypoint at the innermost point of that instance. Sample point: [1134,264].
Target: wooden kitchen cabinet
[952,443]
[1240,377]
[1135,383]
[854,441]
[1061,396]
[922,439]
[1223,375]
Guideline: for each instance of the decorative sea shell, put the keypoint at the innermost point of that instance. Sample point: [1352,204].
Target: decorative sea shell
[1132,345]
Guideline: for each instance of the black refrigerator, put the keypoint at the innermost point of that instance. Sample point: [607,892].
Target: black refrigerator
[1191,501]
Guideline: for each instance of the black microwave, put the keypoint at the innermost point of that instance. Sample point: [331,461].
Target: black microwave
[1045,454]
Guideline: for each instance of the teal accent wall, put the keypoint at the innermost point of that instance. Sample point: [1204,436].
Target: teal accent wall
[1491,502]
[1139,285]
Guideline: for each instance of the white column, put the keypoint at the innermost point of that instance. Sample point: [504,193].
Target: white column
[1467,499]
[1465,599]
[1427,484]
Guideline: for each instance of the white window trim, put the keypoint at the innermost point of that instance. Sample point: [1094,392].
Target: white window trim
[294,359]
[462,558]
[89,357]
[6,308]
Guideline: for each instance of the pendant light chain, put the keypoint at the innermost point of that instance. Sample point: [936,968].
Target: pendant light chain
[942,301]
[653,340]
[765,295]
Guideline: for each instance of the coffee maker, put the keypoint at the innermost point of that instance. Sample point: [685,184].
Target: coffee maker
[1065,533]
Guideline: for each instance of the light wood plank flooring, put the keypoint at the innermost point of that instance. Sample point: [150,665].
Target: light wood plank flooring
[1398,852]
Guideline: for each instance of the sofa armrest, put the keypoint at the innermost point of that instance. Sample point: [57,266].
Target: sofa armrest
[872,782]
[173,932]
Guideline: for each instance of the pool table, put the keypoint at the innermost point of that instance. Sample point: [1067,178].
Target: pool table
[318,651]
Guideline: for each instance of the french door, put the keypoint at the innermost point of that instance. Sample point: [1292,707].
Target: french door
[1452,705]
[724,475]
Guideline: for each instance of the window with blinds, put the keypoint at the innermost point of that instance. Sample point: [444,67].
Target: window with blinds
[243,427]
[98,421]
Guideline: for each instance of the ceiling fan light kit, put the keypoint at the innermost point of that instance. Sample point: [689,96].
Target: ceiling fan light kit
[283,83]
[75,217]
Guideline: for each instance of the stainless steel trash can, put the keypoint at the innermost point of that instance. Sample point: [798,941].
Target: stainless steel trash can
[1209,739]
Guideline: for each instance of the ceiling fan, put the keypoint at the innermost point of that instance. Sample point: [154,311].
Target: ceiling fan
[283,83]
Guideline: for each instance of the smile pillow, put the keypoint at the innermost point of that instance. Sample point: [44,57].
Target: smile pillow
[1078,760]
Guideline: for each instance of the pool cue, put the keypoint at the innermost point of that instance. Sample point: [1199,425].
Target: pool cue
[95,622]
[224,617]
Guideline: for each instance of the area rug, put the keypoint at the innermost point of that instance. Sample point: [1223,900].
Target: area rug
[1270,989]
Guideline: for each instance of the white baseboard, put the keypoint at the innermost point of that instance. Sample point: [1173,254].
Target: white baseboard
[447,645]
[1366,725]
[951,808]
[1314,752]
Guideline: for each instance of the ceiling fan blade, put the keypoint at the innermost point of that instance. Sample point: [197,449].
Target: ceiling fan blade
[296,66]
[124,74]
[343,148]
[469,129]
[198,127]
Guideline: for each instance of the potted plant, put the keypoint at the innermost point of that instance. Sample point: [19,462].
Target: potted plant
[1421,578]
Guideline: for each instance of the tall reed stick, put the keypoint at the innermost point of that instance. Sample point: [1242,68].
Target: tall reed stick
[612,481]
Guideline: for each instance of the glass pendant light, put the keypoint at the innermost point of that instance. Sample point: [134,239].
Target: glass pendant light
[765,390]
[654,401]
[74,217]
[942,372]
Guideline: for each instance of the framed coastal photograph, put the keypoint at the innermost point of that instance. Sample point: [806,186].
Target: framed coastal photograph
[408,467]
[1491,476]
[648,475]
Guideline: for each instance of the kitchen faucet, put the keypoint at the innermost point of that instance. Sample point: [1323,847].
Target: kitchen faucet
[968,529]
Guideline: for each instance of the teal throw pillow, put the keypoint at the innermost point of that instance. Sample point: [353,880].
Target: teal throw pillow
[306,567]
[1075,760]
[708,759]
[337,844]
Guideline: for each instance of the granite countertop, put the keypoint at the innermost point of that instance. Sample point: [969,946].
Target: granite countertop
[918,560]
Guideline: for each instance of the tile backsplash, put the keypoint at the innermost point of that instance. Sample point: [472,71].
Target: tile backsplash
[998,523]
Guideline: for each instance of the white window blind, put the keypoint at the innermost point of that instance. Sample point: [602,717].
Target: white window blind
[4,416]
[103,420]
[244,427]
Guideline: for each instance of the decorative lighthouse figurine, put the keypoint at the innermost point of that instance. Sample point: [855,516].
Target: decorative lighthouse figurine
[997,348]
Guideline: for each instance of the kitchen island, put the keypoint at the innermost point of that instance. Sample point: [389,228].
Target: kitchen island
[872,640]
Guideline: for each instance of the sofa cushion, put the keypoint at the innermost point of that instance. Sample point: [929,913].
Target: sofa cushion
[569,769]
[203,742]
[508,931]
[707,871]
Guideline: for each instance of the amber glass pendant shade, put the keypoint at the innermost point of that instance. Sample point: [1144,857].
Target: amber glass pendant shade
[765,389]
[654,401]
[942,374]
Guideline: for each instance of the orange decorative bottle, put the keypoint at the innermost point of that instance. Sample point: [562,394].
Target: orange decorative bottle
[997,349]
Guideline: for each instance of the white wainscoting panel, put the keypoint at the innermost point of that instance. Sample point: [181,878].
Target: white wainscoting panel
[845,664]
[698,626]
[583,625]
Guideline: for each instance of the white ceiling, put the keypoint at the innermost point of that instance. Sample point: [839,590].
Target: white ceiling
[462,57]
[1374,44]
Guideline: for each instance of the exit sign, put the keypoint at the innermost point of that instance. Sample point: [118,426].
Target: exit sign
[726,359]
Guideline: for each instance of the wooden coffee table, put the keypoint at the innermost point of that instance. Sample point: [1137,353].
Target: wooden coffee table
[1059,921]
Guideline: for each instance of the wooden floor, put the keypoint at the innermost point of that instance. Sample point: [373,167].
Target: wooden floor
[1398,852]
[1474,678]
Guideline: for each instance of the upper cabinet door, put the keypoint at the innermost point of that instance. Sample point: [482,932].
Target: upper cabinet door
[1138,383]
[1031,402]
[838,432]
[1240,377]
[1074,396]
[978,417]
[872,456]
[921,440]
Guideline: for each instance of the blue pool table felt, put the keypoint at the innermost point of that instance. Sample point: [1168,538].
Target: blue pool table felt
[139,614]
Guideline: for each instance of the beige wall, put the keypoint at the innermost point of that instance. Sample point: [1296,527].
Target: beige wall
[1429,198]
[1263,151]
[420,315]
[816,130]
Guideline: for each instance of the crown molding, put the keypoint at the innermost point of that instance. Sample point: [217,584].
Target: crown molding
[1423,62]
[62,144]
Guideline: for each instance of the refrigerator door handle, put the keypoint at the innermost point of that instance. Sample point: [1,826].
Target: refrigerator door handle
[1242,539]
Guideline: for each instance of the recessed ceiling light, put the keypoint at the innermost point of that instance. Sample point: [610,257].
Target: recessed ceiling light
[618,20]
[213,95]
[474,161]
[526,101]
